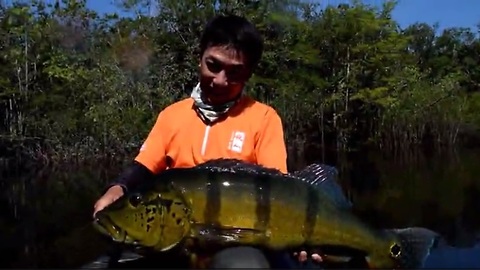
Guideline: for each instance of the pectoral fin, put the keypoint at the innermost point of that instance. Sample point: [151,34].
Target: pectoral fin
[229,235]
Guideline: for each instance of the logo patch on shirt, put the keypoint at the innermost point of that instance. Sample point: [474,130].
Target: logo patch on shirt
[236,141]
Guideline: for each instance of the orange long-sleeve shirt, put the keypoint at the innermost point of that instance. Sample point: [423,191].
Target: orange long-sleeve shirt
[252,132]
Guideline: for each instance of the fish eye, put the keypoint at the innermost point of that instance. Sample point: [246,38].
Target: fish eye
[395,250]
[135,200]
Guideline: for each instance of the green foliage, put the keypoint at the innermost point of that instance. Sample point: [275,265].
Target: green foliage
[89,84]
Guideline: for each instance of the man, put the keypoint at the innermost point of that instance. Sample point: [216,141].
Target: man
[218,120]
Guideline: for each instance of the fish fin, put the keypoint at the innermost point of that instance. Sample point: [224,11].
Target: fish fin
[221,162]
[100,263]
[103,261]
[416,245]
[228,235]
[236,166]
[320,176]
[323,177]
[128,256]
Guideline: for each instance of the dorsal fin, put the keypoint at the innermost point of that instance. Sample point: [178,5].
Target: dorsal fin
[320,176]
[236,165]
[324,177]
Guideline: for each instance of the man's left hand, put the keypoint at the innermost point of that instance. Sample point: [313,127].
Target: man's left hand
[303,256]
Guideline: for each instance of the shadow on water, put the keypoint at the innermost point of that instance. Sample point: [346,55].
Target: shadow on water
[46,214]
[439,192]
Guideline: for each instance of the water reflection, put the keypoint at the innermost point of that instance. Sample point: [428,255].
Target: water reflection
[45,214]
[45,217]
[454,257]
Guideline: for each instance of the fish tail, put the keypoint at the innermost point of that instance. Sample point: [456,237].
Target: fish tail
[416,244]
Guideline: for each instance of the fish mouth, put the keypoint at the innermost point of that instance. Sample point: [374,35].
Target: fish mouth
[107,227]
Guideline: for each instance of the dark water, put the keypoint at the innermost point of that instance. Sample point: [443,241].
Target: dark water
[45,214]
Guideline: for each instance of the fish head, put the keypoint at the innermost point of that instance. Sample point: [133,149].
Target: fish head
[159,220]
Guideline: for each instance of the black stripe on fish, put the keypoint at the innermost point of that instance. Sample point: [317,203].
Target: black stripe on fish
[211,212]
[262,201]
[311,210]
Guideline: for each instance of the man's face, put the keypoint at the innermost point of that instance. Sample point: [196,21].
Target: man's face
[223,73]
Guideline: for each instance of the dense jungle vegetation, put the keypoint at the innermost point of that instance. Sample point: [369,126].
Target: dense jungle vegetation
[78,86]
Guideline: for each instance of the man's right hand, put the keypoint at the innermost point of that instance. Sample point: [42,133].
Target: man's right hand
[109,197]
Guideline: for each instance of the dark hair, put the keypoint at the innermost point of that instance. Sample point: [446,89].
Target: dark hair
[235,31]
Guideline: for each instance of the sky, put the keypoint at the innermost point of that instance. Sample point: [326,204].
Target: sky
[447,13]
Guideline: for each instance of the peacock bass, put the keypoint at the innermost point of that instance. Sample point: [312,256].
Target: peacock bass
[228,202]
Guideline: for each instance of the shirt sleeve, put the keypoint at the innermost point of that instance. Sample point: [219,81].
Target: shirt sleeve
[152,154]
[270,148]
